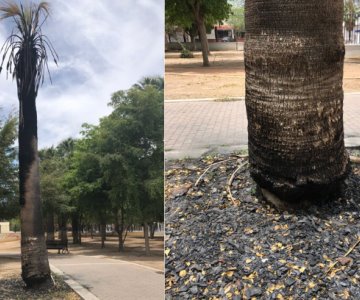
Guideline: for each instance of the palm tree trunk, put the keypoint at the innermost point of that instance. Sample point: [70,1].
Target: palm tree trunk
[294,55]
[34,259]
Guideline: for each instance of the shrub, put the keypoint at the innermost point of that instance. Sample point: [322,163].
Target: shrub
[185,53]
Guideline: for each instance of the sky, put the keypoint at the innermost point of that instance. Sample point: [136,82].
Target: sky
[103,46]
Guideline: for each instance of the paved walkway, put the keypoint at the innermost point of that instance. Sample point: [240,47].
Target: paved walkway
[194,128]
[112,279]
[105,278]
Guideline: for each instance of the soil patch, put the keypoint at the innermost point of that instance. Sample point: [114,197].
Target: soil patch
[225,78]
[215,249]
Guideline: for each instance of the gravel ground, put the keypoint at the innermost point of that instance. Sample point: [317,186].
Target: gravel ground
[12,287]
[219,249]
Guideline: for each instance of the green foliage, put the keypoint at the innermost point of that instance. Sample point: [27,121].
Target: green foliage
[9,206]
[185,53]
[185,12]
[237,19]
[137,122]
[53,166]
[114,173]
[351,12]
[15,224]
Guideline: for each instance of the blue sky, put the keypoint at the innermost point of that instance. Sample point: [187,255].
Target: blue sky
[103,46]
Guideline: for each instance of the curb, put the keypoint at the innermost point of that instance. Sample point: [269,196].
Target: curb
[77,287]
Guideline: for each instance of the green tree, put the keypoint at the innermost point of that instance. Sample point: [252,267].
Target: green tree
[294,54]
[26,53]
[351,14]
[55,197]
[237,20]
[138,115]
[184,13]
[9,206]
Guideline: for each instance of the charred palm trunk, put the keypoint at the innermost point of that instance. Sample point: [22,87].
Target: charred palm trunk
[34,258]
[294,56]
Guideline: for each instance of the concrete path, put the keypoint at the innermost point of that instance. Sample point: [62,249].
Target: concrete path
[112,279]
[194,128]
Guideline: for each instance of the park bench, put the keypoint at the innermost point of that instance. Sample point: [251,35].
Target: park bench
[57,244]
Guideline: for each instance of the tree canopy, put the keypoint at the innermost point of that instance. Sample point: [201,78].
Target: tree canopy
[9,207]
[113,174]
[185,13]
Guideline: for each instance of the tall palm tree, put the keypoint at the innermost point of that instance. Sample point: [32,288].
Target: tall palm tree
[25,54]
[351,14]
[294,53]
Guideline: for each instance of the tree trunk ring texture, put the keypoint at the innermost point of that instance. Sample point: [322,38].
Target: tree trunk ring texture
[294,54]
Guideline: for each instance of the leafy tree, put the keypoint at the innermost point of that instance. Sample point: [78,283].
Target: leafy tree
[26,53]
[237,20]
[55,198]
[185,13]
[9,206]
[351,14]
[294,96]
[137,122]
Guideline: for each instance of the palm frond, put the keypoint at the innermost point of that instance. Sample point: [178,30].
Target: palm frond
[9,9]
[26,49]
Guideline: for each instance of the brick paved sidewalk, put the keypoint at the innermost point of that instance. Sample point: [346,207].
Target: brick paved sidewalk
[194,128]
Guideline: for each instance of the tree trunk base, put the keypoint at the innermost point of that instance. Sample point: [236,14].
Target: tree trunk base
[286,193]
[34,261]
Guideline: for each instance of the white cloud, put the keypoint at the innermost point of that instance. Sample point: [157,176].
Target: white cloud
[104,46]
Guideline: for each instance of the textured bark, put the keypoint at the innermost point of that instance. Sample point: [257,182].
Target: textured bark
[34,259]
[146,236]
[75,225]
[103,234]
[200,24]
[203,41]
[119,228]
[294,56]
[62,227]
[152,230]
[50,227]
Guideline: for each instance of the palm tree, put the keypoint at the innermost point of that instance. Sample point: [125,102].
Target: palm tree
[294,53]
[25,53]
[351,14]
[155,81]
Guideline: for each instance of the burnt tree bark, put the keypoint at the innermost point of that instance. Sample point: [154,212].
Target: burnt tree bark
[34,259]
[294,53]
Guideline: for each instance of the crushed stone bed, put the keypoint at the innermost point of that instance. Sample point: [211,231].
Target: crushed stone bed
[216,249]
